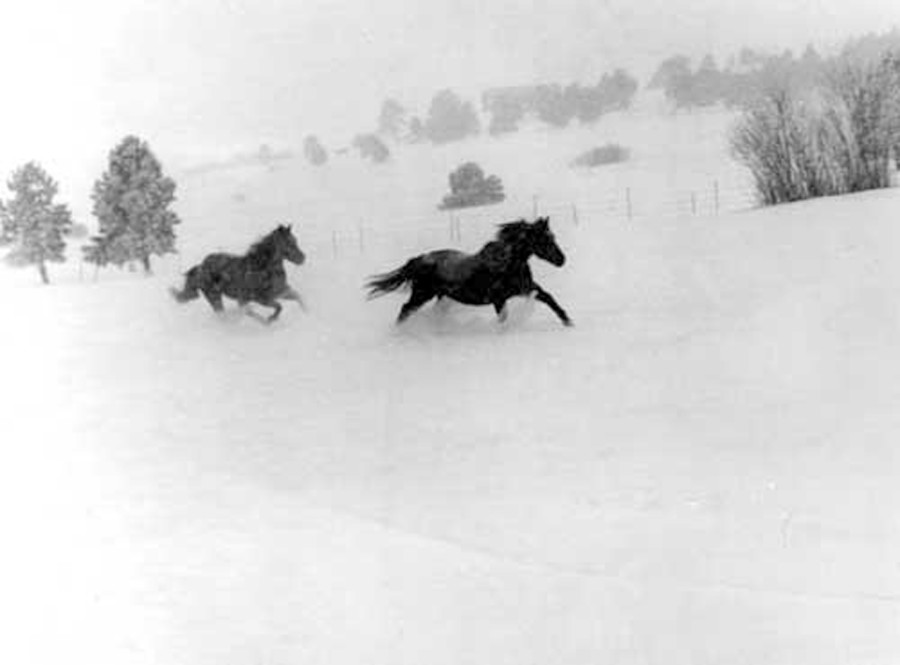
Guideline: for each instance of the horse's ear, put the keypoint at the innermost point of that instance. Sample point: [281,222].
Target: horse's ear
[542,222]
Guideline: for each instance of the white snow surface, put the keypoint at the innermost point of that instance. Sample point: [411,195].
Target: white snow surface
[703,471]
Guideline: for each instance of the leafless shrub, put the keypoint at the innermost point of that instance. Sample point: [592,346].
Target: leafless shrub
[865,118]
[771,141]
[835,141]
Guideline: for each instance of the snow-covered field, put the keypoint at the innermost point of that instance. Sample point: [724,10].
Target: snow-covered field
[702,471]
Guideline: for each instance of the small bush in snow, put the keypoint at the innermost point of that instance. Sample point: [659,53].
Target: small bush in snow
[611,153]
[469,187]
[372,148]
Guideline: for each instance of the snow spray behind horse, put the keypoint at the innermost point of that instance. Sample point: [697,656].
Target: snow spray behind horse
[498,272]
[257,276]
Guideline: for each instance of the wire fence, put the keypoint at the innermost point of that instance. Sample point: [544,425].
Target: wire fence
[625,205]
[415,223]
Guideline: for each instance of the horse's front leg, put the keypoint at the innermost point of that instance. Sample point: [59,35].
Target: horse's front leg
[248,310]
[550,301]
[214,298]
[277,307]
[291,294]
[274,304]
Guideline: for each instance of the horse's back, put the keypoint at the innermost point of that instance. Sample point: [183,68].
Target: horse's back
[480,278]
[450,265]
[217,261]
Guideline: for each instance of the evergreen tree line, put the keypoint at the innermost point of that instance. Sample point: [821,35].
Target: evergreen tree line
[449,118]
[558,105]
[131,201]
[749,75]
[452,118]
[743,81]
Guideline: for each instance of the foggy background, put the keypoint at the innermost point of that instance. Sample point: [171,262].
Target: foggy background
[204,80]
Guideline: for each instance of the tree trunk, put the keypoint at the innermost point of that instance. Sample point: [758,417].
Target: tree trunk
[145,261]
[42,268]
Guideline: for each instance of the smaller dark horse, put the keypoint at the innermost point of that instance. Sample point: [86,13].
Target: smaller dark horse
[498,272]
[257,276]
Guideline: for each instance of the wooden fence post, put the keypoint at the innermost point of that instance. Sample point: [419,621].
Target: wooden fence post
[575,214]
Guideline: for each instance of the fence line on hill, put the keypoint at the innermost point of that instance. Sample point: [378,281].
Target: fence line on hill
[460,225]
[464,226]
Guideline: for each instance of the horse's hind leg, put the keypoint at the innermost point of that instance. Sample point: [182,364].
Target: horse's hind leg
[420,296]
[550,301]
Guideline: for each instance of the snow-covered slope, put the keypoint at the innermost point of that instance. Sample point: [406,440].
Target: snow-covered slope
[703,470]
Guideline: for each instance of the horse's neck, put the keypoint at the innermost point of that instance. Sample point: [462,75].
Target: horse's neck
[504,254]
[265,258]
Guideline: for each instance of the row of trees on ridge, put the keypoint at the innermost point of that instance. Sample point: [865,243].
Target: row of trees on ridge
[452,118]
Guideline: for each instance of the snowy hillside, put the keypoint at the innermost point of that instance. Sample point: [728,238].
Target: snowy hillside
[703,470]
[674,157]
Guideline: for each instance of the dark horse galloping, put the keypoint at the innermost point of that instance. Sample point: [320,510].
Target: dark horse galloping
[257,276]
[495,274]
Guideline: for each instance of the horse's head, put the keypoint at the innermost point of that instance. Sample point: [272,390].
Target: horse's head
[287,244]
[543,243]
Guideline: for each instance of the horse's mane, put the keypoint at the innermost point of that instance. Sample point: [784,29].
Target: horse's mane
[262,251]
[511,232]
[506,245]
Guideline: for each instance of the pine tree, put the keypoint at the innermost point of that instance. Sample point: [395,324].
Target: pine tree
[314,151]
[372,148]
[32,222]
[450,118]
[131,202]
[670,71]
[7,233]
[392,120]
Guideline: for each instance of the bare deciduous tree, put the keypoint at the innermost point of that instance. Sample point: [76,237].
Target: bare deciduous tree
[832,141]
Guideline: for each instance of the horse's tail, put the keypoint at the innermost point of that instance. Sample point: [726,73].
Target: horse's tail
[191,286]
[387,282]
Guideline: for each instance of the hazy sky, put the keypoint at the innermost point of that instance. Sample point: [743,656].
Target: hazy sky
[200,78]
